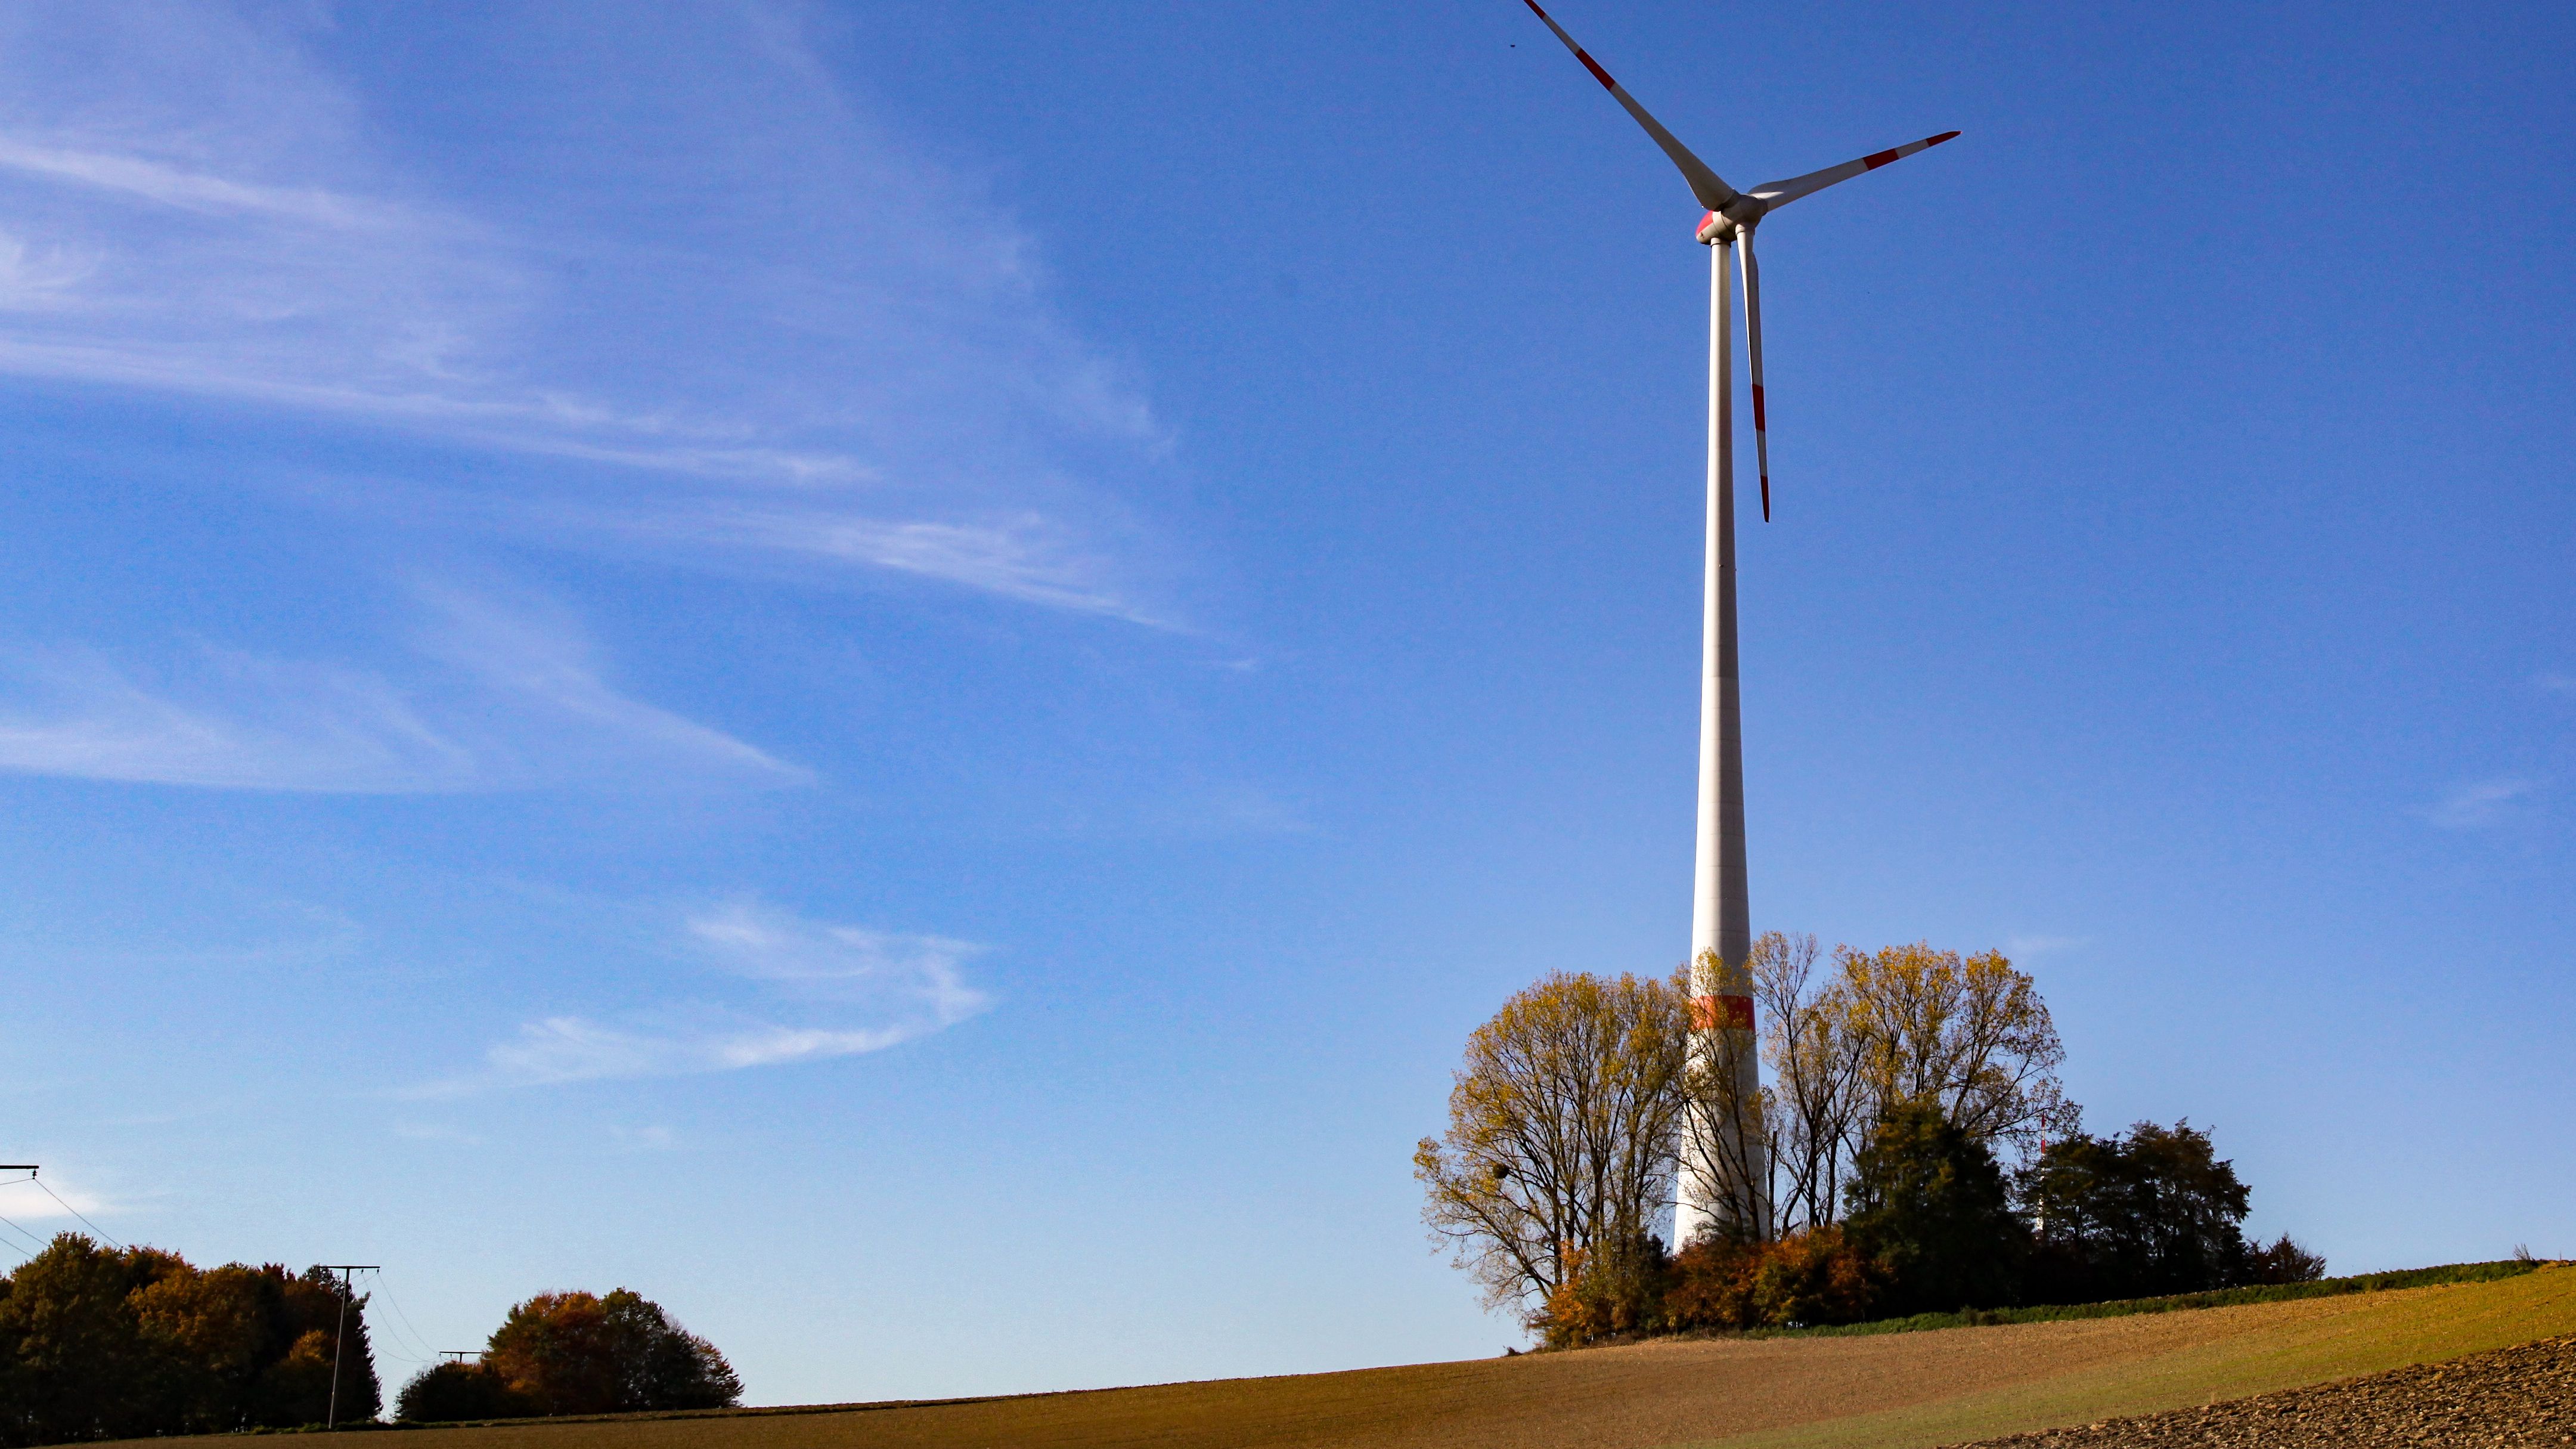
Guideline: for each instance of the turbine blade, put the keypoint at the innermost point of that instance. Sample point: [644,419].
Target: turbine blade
[1753,351]
[1704,184]
[1775,194]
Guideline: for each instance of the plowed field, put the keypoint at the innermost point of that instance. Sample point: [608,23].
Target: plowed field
[1885,1392]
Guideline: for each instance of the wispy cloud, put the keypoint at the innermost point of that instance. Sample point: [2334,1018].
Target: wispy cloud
[793,333]
[806,991]
[1025,556]
[279,726]
[2557,683]
[498,697]
[436,1132]
[2025,947]
[2480,803]
[140,179]
[21,1200]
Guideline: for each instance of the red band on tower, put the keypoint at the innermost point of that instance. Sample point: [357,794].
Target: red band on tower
[1721,1013]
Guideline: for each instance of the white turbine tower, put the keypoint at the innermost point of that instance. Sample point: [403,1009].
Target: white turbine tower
[1721,934]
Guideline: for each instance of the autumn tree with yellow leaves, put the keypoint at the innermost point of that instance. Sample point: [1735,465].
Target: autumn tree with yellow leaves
[1578,1104]
[1846,1047]
[1561,1123]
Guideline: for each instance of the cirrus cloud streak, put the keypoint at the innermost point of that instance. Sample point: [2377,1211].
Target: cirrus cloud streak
[802,991]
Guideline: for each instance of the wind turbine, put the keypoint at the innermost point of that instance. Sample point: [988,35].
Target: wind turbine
[1723,1033]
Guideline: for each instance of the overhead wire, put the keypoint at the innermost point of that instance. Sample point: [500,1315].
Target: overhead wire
[29,1234]
[76,1212]
[412,1331]
[24,1233]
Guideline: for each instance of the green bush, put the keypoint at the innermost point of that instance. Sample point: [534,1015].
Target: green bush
[1929,1205]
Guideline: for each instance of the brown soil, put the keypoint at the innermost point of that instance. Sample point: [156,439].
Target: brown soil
[1894,1391]
[2518,1396]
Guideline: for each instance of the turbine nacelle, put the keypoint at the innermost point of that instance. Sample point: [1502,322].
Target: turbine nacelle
[1736,216]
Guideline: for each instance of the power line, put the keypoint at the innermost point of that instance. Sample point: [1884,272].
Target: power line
[75,1212]
[28,1168]
[22,1232]
[410,1330]
[419,1340]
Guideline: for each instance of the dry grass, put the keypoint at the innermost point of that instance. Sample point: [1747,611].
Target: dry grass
[1887,1392]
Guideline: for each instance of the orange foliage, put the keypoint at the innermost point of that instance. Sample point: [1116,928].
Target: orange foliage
[1805,1278]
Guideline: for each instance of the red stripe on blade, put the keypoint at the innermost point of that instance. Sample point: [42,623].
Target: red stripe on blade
[1758,424]
[1937,140]
[1598,73]
[1766,498]
[1876,159]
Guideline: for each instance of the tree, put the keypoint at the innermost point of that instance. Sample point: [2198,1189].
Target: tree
[303,1331]
[1928,1203]
[76,1355]
[207,1327]
[1969,1035]
[1561,1124]
[1817,1073]
[578,1353]
[2150,1212]
[1908,1023]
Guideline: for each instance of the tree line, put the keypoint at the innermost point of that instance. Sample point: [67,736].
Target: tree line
[101,1343]
[1911,1150]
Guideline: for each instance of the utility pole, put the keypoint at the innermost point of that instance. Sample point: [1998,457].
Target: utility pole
[332,1418]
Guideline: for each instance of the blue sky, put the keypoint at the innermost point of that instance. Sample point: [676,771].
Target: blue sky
[901,672]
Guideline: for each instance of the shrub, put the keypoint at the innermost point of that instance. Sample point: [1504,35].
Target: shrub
[1712,1284]
[2281,1262]
[1616,1289]
[445,1393]
[1813,1278]
[1803,1280]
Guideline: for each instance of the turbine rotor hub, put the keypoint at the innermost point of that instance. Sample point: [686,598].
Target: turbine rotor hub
[1736,216]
